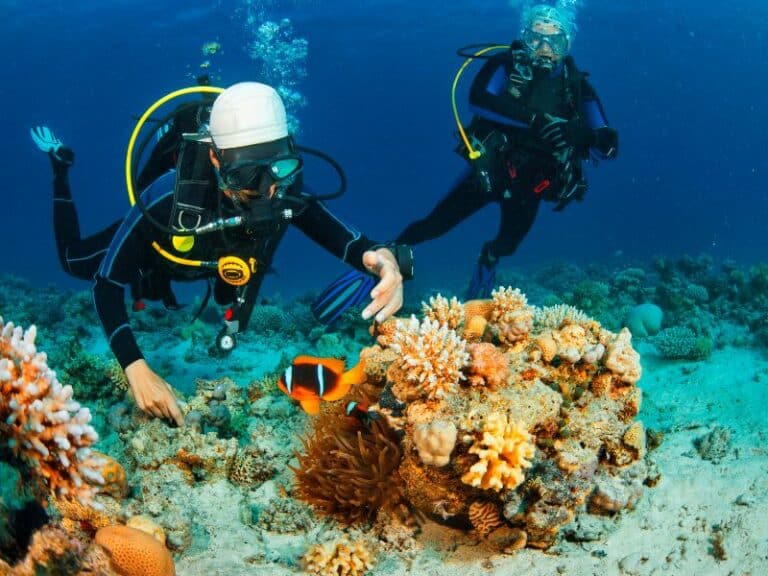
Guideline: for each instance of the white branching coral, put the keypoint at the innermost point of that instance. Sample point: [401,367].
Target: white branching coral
[444,311]
[504,450]
[511,314]
[430,356]
[40,422]
[552,317]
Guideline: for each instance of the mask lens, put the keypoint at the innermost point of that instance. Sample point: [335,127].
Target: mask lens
[558,43]
[283,168]
[243,176]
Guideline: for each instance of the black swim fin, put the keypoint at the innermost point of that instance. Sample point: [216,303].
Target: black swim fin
[343,293]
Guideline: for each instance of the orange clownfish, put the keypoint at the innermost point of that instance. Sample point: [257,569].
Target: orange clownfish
[309,380]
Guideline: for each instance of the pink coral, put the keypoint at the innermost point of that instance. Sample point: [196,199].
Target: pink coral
[487,365]
[43,426]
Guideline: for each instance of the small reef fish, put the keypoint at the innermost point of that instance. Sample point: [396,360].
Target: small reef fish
[362,412]
[310,380]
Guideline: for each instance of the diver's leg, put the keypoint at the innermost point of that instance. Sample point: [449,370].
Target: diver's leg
[518,211]
[80,257]
[463,200]
[517,216]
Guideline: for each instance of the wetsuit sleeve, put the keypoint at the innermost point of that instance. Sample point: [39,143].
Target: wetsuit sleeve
[604,140]
[122,264]
[488,97]
[340,239]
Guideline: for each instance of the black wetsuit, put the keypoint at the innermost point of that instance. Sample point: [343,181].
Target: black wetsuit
[521,167]
[122,254]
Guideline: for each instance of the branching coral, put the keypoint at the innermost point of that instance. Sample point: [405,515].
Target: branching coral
[344,560]
[348,471]
[504,450]
[511,314]
[430,359]
[44,427]
[444,311]
[554,316]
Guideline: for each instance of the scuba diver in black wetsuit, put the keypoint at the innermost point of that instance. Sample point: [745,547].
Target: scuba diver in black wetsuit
[536,119]
[219,217]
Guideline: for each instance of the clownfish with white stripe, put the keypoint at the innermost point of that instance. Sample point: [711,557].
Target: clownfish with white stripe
[309,380]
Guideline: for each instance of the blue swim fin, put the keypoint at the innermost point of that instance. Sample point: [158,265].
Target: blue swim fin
[343,293]
[483,281]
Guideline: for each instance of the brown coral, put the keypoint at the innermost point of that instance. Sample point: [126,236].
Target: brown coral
[348,471]
[251,466]
[133,552]
[485,517]
[49,547]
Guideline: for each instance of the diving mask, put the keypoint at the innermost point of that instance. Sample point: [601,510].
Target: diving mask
[246,174]
[557,42]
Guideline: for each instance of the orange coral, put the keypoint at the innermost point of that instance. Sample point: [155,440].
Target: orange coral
[487,365]
[113,473]
[135,553]
[47,430]
[474,328]
[504,451]
[482,308]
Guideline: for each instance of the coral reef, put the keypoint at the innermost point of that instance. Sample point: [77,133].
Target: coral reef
[513,436]
[45,429]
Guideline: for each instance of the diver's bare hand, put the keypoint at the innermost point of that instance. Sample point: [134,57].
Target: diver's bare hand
[387,295]
[152,394]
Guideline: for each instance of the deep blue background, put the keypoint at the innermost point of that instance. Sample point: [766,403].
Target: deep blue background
[684,82]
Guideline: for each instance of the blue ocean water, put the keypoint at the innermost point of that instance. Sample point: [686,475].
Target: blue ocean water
[682,81]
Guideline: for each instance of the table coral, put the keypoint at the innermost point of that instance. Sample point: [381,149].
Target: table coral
[45,428]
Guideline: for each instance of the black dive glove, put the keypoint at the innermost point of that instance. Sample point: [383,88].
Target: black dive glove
[553,130]
[61,159]
[606,140]
[562,134]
